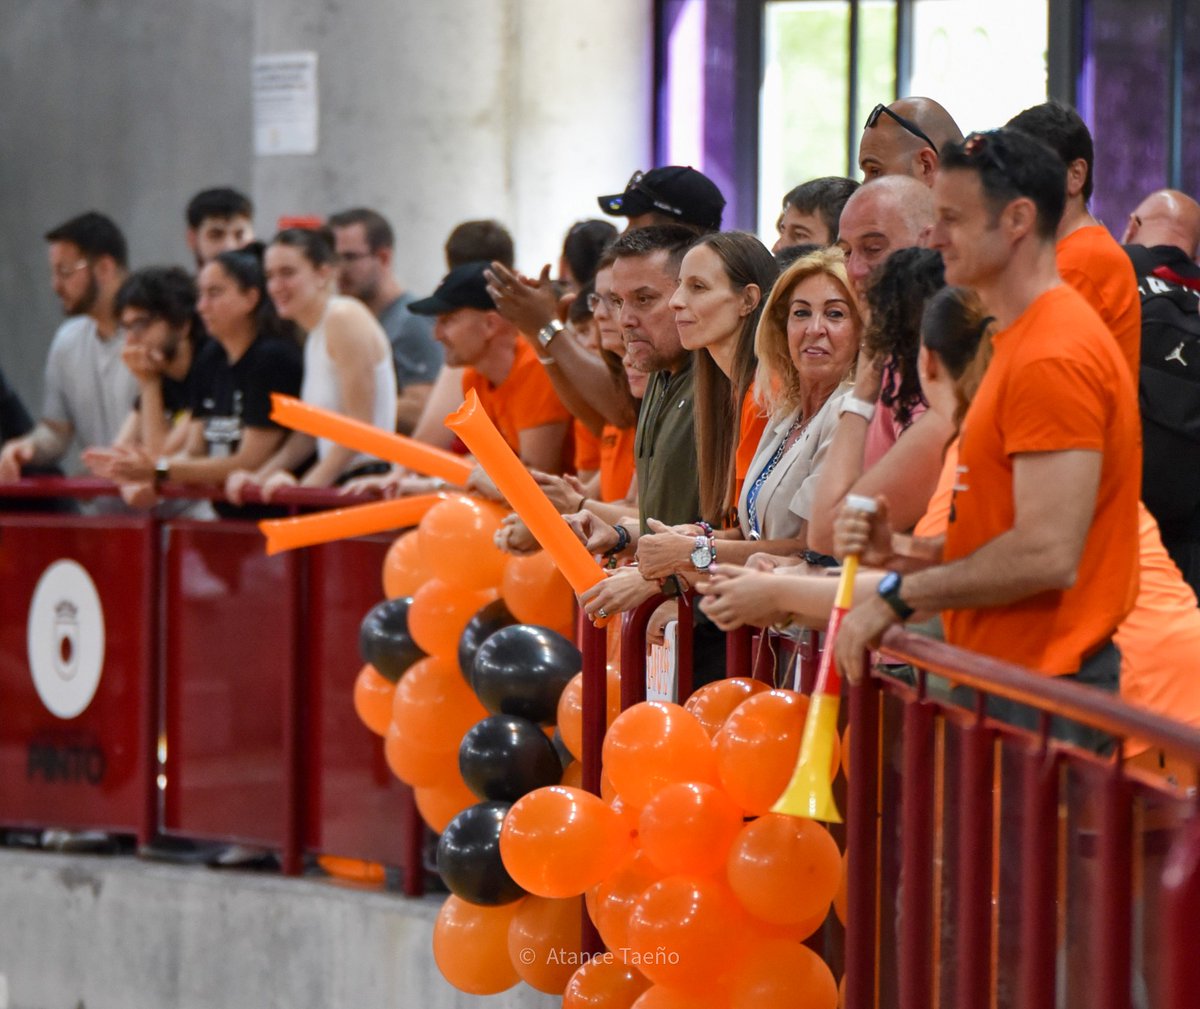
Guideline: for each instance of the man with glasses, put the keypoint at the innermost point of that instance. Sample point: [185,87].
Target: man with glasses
[904,138]
[88,389]
[1039,561]
[365,246]
[673,194]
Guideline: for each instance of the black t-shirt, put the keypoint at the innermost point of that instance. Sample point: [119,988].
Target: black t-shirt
[14,418]
[229,397]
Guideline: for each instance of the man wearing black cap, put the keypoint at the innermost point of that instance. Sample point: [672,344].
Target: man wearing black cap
[502,368]
[669,195]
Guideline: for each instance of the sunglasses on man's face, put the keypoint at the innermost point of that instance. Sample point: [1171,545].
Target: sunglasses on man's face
[905,124]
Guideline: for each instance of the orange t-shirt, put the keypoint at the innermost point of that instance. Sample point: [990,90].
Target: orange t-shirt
[1159,639]
[524,400]
[587,449]
[1057,382]
[751,425]
[617,463]
[1091,261]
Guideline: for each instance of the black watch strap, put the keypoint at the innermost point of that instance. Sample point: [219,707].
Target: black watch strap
[889,592]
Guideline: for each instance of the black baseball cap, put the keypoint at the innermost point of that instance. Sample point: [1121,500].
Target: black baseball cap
[680,192]
[463,287]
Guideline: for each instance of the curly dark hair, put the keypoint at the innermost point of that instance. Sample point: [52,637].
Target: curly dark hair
[896,298]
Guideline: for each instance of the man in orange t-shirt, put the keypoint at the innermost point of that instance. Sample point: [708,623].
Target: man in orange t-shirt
[501,367]
[1089,258]
[1040,560]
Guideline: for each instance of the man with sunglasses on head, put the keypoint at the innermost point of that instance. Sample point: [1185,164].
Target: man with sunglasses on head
[1039,562]
[673,194]
[905,138]
[88,388]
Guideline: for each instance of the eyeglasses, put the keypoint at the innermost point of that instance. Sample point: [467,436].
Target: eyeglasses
[595,300]
[137,326]
[637,183]
[982,147]
[905,124]
[66,272]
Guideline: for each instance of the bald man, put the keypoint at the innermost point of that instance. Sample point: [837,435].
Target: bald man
[904,139]
[893,212]
[1164,232]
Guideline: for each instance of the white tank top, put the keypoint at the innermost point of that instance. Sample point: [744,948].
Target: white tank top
[320,386]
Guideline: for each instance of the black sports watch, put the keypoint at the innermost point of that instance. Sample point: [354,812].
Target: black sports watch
[889,592]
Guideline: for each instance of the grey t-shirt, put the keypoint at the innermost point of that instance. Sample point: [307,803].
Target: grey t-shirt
[87,383]
[415,353]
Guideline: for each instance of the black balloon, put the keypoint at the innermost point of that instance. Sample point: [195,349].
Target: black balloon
[506,756]
[468,856]
[522,670]
[486,622]
[384,641]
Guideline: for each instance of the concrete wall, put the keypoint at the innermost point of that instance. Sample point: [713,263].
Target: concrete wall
[523,110]
[115,933]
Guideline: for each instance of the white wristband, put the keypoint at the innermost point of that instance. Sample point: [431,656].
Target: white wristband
[852,404]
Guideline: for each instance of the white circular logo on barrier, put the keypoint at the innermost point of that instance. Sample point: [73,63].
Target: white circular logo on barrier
[65,637]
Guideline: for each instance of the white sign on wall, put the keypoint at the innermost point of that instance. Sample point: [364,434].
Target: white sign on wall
[285,103]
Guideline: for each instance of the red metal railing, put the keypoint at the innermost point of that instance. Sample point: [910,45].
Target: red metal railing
[242,665]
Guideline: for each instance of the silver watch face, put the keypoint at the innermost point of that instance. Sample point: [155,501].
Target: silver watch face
[702,556]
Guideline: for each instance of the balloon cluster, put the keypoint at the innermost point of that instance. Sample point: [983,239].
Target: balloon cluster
[702,896]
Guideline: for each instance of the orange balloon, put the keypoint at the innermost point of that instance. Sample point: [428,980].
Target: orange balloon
[403,569]
[757,748]
[688,828]
[535,592]
[470,946]
[457,538]
[683,932]
[558,841]
[433,707]
[438,614]
[610,902]
[472,424]
[777,974]
[661,997]
[839,898]
[373,696]
[570,709]
[545,942]
[715,702]
[604,983]
[355,869]
[630,815]
[654,744]
[440,804]
[572,775]
[784,869]
[417,765]
[370,440]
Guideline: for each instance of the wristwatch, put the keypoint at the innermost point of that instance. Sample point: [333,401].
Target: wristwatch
[548,332]
[703,553]
[162,470]
[852,404]
[889,592]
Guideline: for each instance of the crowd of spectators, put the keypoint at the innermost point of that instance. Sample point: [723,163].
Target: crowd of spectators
[957,338]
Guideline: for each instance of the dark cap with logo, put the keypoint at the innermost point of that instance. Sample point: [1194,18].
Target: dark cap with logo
[463,287]
[674,190]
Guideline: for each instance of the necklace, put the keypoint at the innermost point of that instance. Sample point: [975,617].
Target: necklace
[798,427]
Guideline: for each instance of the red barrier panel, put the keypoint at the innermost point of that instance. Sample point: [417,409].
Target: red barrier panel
[231,624]
[77,655]
[353,804]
